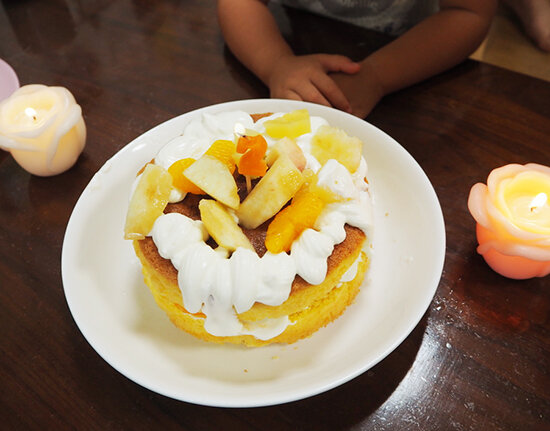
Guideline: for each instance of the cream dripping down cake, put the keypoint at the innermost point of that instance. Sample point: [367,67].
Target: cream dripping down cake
[253,228]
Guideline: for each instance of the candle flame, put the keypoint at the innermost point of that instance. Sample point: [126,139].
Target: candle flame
[30,112]
[538,201]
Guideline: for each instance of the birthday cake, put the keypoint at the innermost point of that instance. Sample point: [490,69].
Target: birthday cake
[253,229]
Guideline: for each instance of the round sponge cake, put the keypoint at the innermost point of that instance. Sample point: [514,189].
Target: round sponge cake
[307,308]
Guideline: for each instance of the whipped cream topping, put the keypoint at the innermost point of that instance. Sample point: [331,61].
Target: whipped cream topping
[351,273]
[208,279]
[219,285]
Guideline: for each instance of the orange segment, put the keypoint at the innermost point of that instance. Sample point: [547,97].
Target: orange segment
[179,180]
[280,232]
[302,213]
[307,207]
[289,224]
[223,150]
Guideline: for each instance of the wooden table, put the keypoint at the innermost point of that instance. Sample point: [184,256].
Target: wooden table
[478,360]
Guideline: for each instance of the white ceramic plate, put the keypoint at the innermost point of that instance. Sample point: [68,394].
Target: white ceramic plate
[117,314]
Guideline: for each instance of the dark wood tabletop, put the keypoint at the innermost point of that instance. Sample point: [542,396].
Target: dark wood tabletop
[478,360]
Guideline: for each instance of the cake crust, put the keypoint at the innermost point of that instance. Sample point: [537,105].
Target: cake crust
[308,309]
[349,247]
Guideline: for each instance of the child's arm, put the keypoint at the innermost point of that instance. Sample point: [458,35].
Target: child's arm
[252,35]
[432,46]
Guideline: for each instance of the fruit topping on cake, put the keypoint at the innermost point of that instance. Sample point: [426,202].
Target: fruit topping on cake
[221,226]
[213,176]
[147,202]
[290,125]
[332,143]
[179,180]
[271,193]
[250,229]
[223,150]
[302,213]
[290,148]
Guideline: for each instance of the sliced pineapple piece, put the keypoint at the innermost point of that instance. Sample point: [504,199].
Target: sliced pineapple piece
[291,149]
[147,202]
[291,125]
[332,143]
[276,188]
[214,177]
[222,226]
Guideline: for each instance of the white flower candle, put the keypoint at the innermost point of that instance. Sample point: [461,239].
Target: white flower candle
[42,127]
[513,220]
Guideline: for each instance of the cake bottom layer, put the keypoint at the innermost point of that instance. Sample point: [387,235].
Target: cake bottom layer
[304,322]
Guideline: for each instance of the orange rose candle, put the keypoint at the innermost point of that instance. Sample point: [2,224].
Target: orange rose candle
[42,127]
[513,220]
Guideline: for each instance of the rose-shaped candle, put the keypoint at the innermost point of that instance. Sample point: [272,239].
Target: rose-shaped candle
[513,220]
[43,128]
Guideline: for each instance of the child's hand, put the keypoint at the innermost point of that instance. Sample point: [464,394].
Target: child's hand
[307,78]
[363,90]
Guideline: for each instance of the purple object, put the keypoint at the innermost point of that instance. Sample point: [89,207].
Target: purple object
[8,80]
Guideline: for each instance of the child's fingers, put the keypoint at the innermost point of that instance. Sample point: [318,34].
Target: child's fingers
[338,63]
[289,94]
[330,90]
[310,93]
[306,78]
